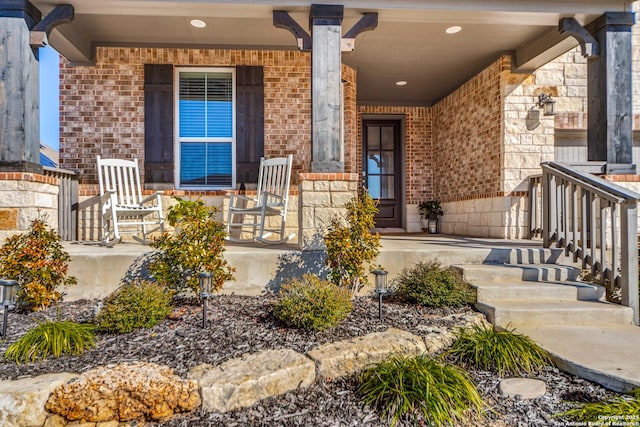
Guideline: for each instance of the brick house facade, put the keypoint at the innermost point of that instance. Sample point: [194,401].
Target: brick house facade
[473,150]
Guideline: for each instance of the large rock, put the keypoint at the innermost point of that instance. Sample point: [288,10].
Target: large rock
[439,338]
[22,401]
[522,388]
[241,382]
[124,392]
[345,357]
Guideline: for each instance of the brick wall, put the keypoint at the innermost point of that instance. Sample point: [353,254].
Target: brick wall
[467,137]
[102,106]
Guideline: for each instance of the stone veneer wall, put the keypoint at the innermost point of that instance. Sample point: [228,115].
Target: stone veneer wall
[25,197]
[322,197]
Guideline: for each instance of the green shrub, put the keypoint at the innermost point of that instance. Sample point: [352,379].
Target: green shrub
[404,386]
[197,245]
[52,338]
[618,411]
[132,306]
[506,352]
[39,263]
[312,303]
[431,285]
[351,246]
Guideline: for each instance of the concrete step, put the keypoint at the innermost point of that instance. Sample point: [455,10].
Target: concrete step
[513,272]
[607,355]
[518,314]
[493,291]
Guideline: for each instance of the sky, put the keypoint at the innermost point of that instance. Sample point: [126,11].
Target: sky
[49,97]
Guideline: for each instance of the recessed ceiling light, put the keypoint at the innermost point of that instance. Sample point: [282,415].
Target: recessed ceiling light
[454,29]
[198,23]
[401,83]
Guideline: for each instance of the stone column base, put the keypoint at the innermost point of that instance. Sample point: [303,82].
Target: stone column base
[322,196]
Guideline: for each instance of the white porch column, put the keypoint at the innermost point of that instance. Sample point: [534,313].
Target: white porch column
[328,149]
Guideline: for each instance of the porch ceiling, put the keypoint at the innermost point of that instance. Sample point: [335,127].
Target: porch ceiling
[409,44]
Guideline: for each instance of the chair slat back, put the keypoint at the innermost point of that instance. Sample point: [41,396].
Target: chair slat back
[274,177]
[123,177]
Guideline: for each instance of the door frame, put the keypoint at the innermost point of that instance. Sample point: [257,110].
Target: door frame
[401,119]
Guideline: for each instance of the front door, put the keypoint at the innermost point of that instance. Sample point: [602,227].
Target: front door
[382,169]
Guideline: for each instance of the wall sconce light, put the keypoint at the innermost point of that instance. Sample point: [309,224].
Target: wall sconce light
[547,103]
[8,295]
[206,280]
[382,288]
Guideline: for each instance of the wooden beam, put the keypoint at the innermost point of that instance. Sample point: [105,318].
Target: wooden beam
[282,19]
[369,21]
[589,46]
[39,34]
[541,50]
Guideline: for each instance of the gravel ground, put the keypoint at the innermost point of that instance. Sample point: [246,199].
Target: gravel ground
[237,325]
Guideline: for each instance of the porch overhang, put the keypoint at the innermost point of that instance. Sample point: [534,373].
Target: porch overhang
[410,42]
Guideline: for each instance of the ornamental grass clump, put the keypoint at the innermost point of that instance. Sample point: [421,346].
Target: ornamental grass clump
[431,285]
[403,388]
[506,352]
[351,246]
[312,303]
[52,338]
[37,260]
[196,246]
[132,306]
[622,410]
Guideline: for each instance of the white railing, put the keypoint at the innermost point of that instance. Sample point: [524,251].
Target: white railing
[594,220]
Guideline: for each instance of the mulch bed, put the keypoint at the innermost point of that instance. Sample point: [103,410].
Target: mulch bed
[238,325]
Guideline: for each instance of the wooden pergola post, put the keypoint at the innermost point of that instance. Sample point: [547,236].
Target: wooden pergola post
[609,134]
[326,78]
[606,43]
[22,32]
[19,91]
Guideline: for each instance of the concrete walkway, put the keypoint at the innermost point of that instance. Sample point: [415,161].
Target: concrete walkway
[607,354]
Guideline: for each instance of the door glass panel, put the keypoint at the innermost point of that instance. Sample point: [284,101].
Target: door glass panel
[373,163]
[386,187]
[387,137]
[373,186]
[387,162]
[373,137]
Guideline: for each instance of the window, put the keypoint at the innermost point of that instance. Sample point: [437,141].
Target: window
[206,128]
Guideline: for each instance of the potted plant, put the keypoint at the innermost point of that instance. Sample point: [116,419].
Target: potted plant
[429,211]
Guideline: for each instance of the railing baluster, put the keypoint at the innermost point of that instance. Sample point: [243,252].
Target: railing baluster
[575,226]
[574,221]
[584,199]
[594,232]
[614,246]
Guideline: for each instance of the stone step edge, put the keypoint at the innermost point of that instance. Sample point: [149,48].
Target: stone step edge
[584,291]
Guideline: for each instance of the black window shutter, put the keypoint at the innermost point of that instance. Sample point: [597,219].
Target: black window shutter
[249,122]
[158,123]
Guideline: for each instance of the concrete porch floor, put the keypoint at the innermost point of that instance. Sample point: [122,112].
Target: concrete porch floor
[100,269]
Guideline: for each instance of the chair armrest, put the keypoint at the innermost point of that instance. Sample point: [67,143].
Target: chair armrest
[106,196]
[152,197]
[267,195]
[239,197]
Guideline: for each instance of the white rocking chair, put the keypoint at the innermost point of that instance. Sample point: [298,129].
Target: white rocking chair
[271,200]
[121,200]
